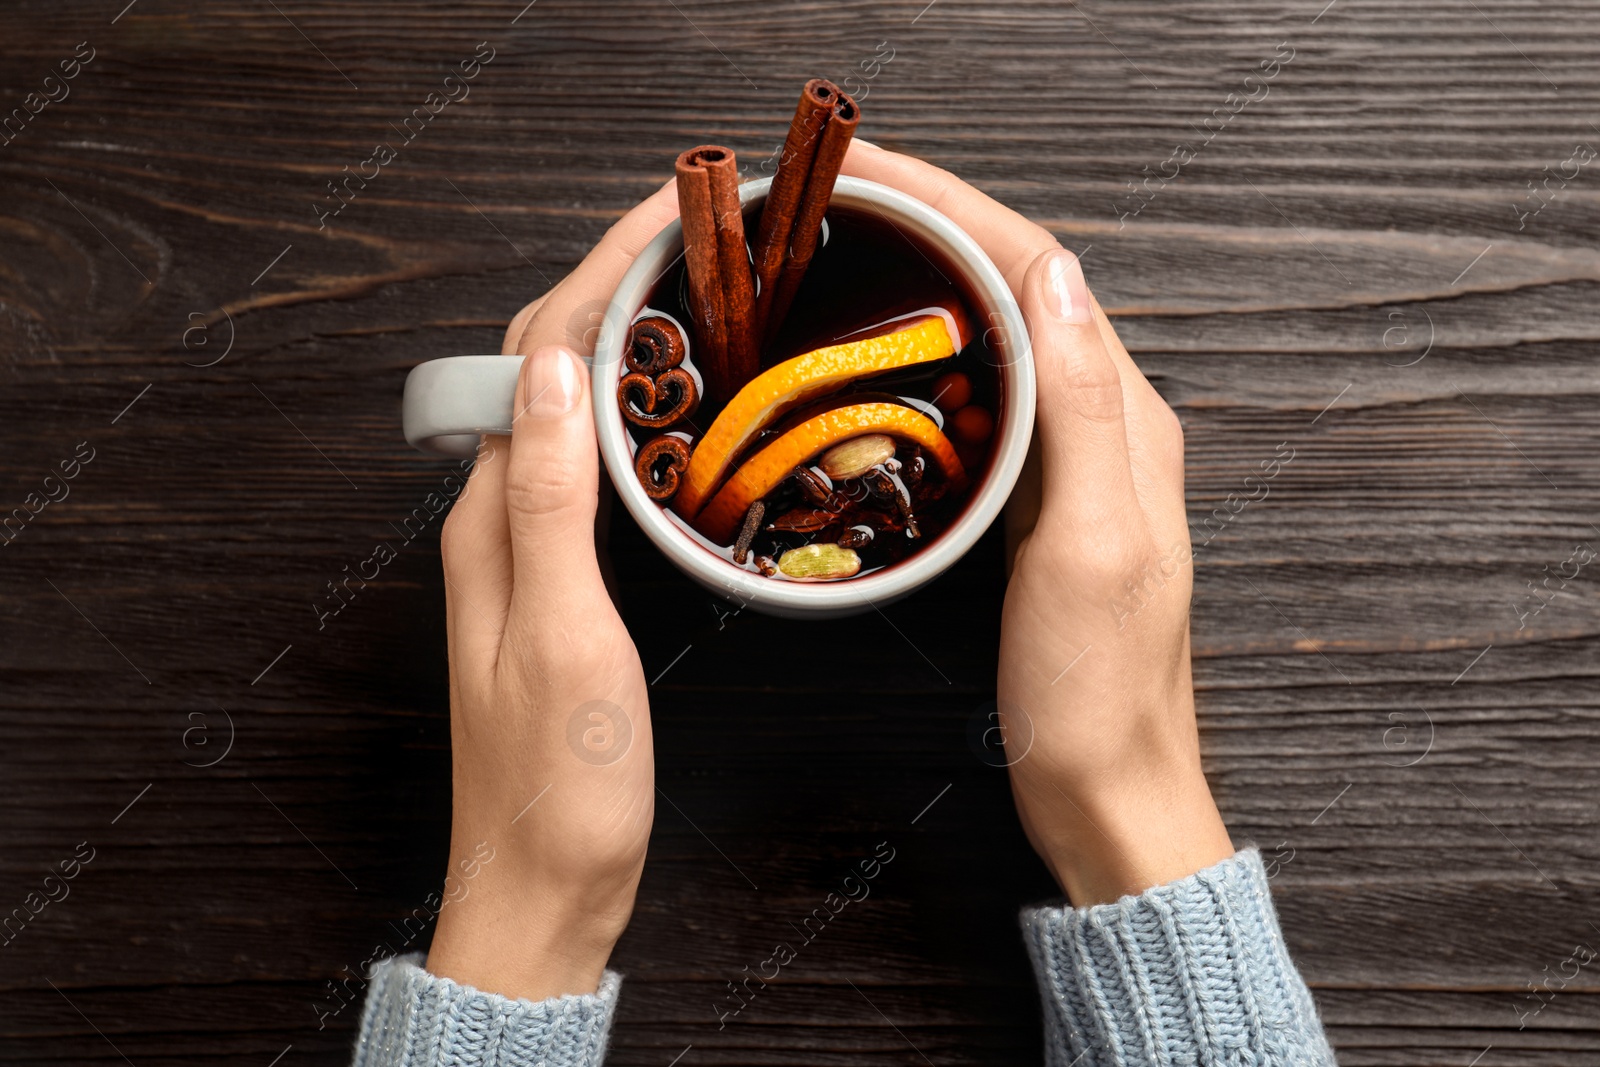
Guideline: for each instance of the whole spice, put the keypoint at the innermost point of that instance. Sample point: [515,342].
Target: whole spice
[752,523]
[819,562]
[638,396]
[721,293]
[815,489]
[856,537]
[853,458]
[654,345]
[886,485]
[805,520]
[655,350]
[820,132]
[911,470]
[660,464]
[871,514]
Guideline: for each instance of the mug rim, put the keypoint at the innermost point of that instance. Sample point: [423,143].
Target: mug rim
[854,595]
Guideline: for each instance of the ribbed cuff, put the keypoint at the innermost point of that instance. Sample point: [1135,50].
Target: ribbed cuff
[1190,973]
[414,1019]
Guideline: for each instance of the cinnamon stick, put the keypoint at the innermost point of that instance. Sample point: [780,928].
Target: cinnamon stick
[721,293]
[788,186]
[791,220]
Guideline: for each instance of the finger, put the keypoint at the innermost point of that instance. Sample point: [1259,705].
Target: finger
[519,323]
[1011,241]
[1155,438]
[552,480]
[1088,478]
[476,550]
[575,308]
[476,543]
[478,554]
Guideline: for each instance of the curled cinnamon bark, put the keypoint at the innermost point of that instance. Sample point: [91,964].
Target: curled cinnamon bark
[655,350]
[659,465]
[654,345]
[791,220]
[721,293]
[638,395]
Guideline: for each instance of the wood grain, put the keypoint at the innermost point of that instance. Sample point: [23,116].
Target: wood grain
[1339,271]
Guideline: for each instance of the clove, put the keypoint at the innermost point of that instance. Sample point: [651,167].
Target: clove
[747,533]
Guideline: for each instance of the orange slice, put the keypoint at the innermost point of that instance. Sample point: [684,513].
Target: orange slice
[761,473]
[919,338]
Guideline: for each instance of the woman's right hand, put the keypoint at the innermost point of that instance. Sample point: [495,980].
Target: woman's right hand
[554,779]
[1094,692]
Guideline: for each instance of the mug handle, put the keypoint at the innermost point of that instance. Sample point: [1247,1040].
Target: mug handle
[451,402]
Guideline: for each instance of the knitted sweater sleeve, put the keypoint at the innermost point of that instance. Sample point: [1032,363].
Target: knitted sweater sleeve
[1193,973]
[414,1019]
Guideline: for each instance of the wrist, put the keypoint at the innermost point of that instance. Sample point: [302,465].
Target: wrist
[1144,831]
[528,941]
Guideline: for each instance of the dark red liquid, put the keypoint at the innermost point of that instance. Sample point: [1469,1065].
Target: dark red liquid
[868,271]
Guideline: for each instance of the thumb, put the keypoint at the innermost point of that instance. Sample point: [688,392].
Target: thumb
[551,485]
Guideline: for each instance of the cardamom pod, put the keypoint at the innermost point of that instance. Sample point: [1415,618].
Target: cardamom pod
[819,562]
[853,458]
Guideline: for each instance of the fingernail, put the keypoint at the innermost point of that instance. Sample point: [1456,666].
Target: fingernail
[865,143]
[551,383]
[1066,293]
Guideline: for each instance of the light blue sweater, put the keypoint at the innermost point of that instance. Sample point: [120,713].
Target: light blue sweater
[1194,973]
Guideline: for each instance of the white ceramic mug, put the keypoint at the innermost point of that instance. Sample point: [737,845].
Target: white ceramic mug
[450,402]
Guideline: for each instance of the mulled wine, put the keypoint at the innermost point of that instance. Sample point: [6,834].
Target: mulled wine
[865,426]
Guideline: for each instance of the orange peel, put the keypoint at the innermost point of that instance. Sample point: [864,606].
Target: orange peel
[919,338]
[761,473]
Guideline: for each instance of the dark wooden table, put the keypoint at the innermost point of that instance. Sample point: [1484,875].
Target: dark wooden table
[1395,636]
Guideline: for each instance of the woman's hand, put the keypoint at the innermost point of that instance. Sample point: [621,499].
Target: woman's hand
[1095,695]
[554,780]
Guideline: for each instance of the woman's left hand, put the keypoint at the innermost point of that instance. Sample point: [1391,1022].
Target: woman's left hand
[1095,695]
